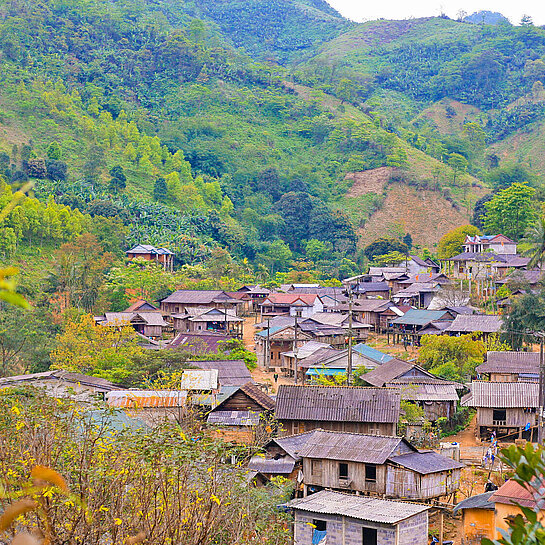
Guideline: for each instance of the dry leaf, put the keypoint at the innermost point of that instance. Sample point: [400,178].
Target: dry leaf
[138,538]
[24,539]
[14,510]
[42,473]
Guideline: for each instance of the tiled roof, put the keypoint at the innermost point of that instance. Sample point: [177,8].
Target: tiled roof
[196,297]
[359,507]
[512,493]
[337,403]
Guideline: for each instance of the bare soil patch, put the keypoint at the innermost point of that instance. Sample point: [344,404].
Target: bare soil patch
[368,181]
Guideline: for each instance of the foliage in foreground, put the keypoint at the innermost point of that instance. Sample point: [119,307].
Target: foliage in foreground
[529,466]
[167,485]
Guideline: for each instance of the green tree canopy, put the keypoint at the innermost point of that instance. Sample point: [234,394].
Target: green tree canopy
[451,243]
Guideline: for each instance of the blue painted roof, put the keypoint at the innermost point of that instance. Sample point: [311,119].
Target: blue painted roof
[271,330]
[419,317]
[372,353]
[328,371]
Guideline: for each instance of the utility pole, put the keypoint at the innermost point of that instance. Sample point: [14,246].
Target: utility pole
[268,347]
[295,348]
[349,367]
[541,394]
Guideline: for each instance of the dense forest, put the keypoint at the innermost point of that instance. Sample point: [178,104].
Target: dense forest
[226,131]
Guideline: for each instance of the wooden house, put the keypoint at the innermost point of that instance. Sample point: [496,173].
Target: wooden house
[251,297]
[478,518]
[341,519]
[437,397]
[410,326]
[486,324]
[291,304]
[239,415]
[507,408]
[510,366]
[150,324]
[151,253]
[484,266]
[281,456]
[367,311]
[418,294]
[371,356]
[200,343]
[182,301]
[340,408]
[384,465]
[371,290]
[217,320]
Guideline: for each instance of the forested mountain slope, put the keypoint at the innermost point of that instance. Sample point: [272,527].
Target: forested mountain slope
[234,125]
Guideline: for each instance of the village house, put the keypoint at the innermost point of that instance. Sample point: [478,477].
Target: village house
[360,331]
[510,366]
[341,519]
[507,408]
[499,244]
[281,457]
[251,296]
[418,294]
[371,356]
[486,324]
[340,408]
[416,265]
[383,465]
[199,343]
[437,397]
[151,253]
[329,362]
[182,301]
[368,311]
[140,305]
[486,515]
[60,383]
[483,266]
[197,320]
[150,324]
[371,290]
[478,518]
[291,304]
[415,322]
[242,415]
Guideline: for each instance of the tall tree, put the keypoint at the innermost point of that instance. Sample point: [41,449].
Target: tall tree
[511,211]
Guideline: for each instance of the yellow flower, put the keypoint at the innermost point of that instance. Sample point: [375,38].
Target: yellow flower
[118,522]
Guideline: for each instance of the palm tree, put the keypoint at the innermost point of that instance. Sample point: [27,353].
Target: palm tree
[535,238]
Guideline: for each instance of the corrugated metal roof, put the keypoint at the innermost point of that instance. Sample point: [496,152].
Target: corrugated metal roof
[203,297]
[358,507]
[253,391]
[426,392]
[480,501]
[510,362]
[471,323]
[292,444]
[234,418]
[500,395]
[231,372]
[145,399]
[352,447]
[279,466]
[372,353]
[420,317]
[426,462]
[337,403]
[386,372]
[199,343]
[63,376]
[303,299]
[512,493]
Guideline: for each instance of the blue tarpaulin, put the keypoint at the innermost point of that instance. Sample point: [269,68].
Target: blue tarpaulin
[318,536]
[325,371]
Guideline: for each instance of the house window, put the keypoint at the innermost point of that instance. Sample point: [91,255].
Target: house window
[499,416]
[321,525]
[371,473]
[369,536]
[343,471]
[316,468]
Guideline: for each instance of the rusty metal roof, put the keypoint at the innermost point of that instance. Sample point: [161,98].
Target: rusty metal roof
[358,507]
[146,399]
[510,362]
[353,447]
[505,395]
[337,403]
[512,493]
